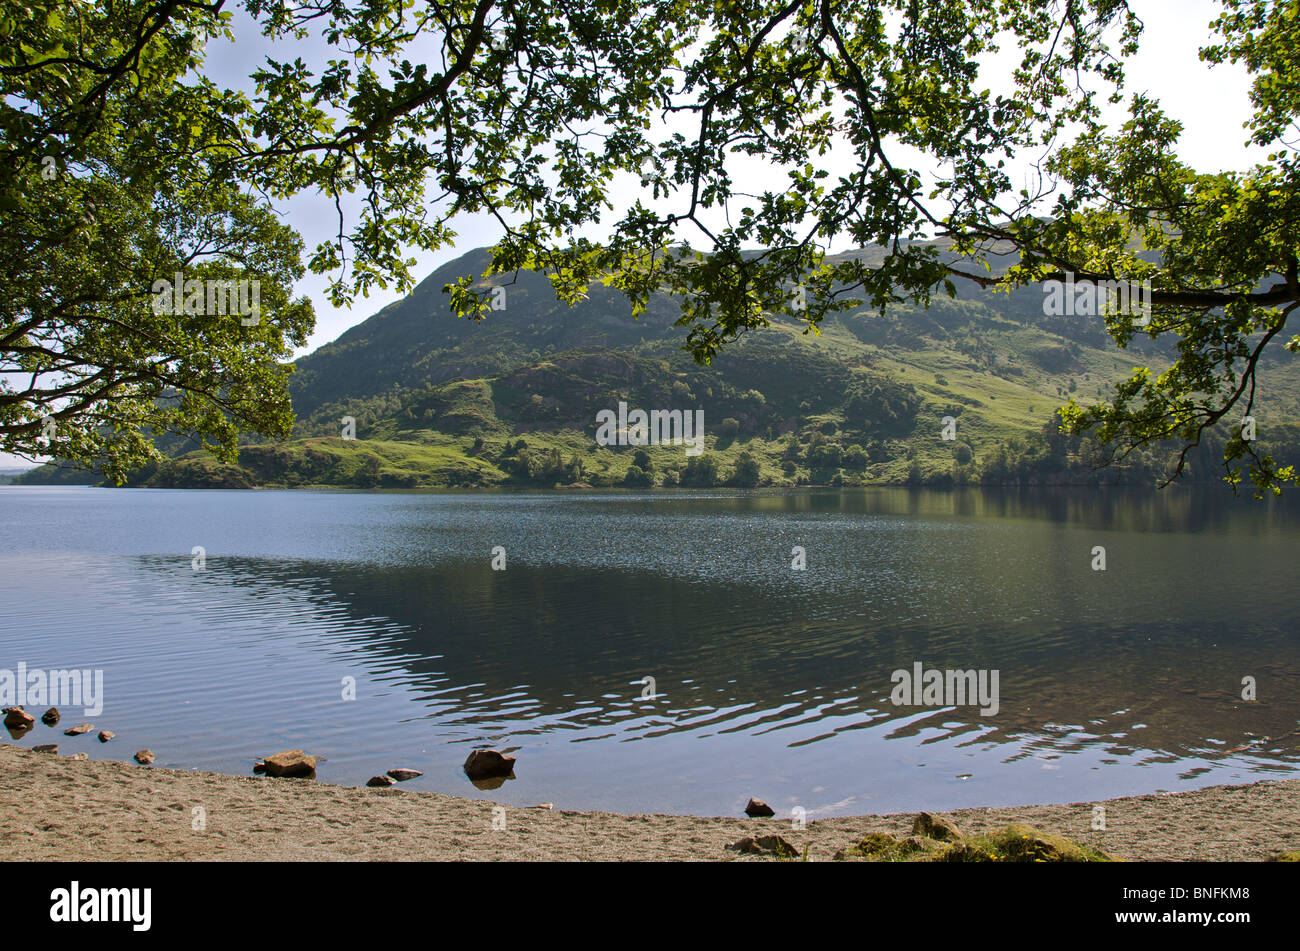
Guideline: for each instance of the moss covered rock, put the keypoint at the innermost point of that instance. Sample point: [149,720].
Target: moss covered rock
[873,843]
[936,827]
[1015,843]
[765,845]
[918,845]
[1018,843]
[879,847]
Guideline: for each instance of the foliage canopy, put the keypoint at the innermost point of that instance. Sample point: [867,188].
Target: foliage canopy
[730,116]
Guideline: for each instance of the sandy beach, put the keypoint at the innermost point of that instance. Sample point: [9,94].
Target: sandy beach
[53,808]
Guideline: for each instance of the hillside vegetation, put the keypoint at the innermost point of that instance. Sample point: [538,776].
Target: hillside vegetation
[514,399]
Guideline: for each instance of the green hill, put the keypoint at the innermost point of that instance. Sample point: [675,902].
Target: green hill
[439,401]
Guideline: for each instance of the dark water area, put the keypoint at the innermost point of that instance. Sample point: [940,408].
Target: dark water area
[768,681]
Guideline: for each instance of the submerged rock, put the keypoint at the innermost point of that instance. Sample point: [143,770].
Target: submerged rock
[402,775]
[758,809]
[292,764]
[144,757]
[486,764]
[106,735]
[50,716]
[79,729]
[381,781]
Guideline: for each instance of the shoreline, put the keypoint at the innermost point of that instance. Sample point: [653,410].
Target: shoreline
[53,808]
[1151,489]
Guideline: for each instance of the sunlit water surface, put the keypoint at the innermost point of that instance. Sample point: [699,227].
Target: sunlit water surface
[768,681]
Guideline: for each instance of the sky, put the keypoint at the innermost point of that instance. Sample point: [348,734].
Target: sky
[1211,102]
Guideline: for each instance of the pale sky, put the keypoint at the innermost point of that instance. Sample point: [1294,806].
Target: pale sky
[1211,102]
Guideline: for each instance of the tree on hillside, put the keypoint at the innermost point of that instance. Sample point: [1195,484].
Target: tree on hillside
[701,471]
[747,472]
[543,116]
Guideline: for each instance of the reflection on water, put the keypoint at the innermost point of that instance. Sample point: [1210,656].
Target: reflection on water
[768,681]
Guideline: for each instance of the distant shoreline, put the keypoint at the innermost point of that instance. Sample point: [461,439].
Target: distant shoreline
[666,489]
[53,808]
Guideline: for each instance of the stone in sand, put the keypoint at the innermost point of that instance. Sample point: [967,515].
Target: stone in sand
[291,763]
[47,748]
[483,764]
[50,716]
[16,718]
[764,845]
[106,735]
[79,729]
[79,756]
[402,775]
[144,757]
[936,827]
[380,781]
[758,809]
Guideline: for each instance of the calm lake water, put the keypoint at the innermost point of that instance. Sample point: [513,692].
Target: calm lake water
[769,681]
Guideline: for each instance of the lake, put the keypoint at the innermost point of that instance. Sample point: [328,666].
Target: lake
[767,681]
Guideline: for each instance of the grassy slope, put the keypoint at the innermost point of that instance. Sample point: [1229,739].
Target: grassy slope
[1003,393]
[424,389]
